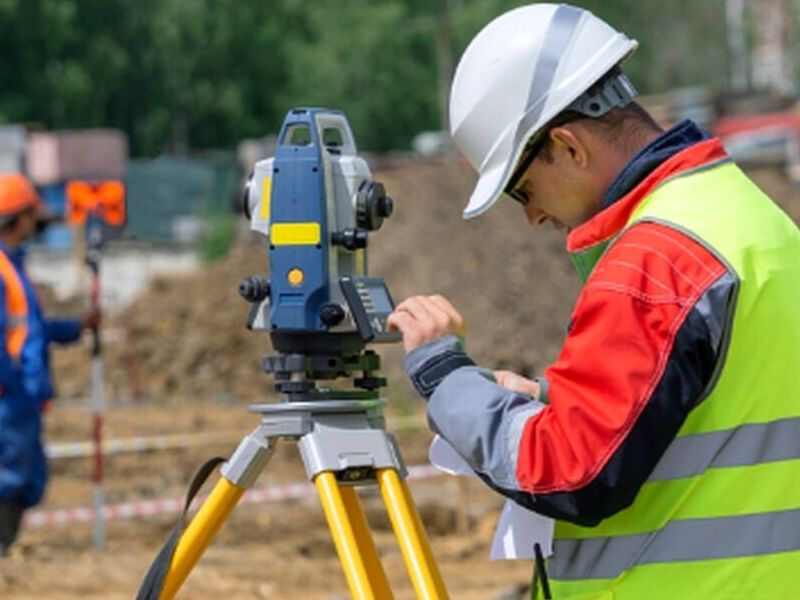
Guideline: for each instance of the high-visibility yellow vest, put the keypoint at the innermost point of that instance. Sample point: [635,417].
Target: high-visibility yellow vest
[719,518]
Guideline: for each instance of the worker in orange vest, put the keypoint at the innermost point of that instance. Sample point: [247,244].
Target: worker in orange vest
[25,379]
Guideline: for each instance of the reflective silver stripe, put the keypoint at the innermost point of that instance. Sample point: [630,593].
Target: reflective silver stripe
[678,541]
[562,26]
[749,444]
[16,321]
[516,428]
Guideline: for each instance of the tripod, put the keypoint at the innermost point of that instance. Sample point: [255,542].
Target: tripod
[343,444]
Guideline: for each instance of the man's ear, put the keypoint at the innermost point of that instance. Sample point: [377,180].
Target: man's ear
[573,145]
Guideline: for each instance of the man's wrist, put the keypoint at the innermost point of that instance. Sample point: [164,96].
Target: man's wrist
[429,364]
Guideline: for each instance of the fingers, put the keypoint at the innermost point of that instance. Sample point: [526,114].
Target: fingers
[517,383]
[434,313]
[456,320]
[419,308]
[413,334]
[425,318]
[400,321]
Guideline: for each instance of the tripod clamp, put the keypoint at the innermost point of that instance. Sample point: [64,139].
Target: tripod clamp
[345,437]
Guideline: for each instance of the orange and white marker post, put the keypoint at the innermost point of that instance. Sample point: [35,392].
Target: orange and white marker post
[96,205]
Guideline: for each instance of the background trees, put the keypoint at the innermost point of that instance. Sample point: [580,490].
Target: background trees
[179,74]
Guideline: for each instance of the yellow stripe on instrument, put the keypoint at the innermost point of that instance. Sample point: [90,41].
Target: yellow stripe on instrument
[295,234]
[266,196]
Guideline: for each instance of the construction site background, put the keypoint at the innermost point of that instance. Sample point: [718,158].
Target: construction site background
[179,362]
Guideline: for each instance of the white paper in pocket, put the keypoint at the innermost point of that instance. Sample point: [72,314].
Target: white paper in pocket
[444,457]
[518,529]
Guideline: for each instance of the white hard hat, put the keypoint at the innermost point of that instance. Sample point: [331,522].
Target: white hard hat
[520,71]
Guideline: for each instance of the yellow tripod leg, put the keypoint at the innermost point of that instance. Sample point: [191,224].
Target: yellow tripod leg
[357,553]
[411,537]
[369,552]
[198,535]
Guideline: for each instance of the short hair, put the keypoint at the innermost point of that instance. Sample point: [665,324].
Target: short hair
[624,128]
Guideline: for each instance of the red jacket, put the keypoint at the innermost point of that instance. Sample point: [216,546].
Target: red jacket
[643,344]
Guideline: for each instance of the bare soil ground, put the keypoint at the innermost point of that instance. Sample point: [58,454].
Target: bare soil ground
[277,550]
[179,360]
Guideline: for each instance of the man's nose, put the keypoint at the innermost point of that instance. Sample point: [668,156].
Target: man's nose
[535,215]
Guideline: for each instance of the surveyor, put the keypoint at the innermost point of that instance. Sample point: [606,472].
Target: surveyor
[665,438]
[25,380]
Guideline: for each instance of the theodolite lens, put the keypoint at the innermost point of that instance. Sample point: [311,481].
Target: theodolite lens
[385,207]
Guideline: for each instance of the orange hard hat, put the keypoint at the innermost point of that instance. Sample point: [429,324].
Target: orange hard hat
[16,194]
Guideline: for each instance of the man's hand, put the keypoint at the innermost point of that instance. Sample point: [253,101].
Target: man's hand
[422,319]
[517,383]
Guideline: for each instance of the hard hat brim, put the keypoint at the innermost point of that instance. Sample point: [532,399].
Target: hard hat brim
[486,192]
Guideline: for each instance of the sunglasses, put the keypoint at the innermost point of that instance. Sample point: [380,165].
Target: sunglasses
[532,149]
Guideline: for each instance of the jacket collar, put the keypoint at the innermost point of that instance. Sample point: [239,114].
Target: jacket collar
[665,146]
[587,242]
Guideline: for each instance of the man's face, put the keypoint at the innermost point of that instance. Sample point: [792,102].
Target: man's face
[557,192]
[29,224]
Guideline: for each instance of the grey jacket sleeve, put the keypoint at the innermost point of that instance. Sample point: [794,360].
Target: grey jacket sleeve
[482,420]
